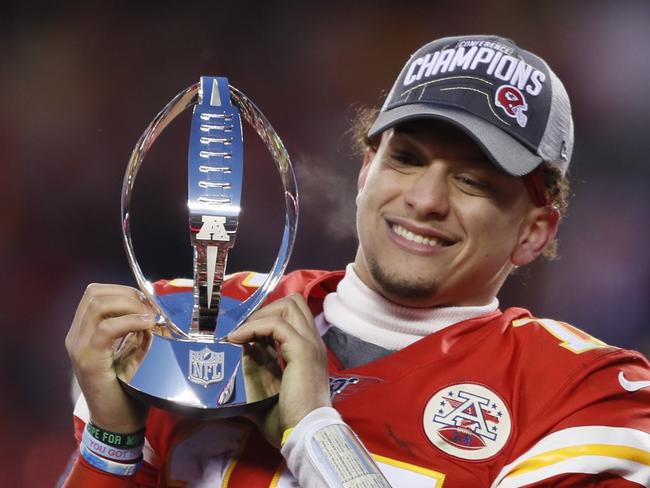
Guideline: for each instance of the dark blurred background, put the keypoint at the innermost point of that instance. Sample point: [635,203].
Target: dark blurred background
[80,82]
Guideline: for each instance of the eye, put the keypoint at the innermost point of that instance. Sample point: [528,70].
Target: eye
[470,181]
[473,184]
[405,158]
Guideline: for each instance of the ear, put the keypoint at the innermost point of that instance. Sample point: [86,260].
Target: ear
[539,229]
[368,156]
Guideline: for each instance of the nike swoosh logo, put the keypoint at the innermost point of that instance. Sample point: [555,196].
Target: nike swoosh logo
[631,385]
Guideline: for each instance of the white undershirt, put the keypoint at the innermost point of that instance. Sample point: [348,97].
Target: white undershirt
[361,312]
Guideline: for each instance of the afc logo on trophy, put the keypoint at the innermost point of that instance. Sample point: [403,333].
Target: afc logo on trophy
[213,229]
[206,366]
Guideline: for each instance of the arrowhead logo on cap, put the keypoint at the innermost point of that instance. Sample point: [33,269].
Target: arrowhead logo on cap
[513,103]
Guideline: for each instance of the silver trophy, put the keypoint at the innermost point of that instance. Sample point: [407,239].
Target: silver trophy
[185,365]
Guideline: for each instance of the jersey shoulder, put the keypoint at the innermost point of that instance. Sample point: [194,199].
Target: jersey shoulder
[562,357]
[582,406]
[556,339]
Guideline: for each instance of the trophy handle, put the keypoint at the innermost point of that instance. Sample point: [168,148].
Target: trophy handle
[239,312]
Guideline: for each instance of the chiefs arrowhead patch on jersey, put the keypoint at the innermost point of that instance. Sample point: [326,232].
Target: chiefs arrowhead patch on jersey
[468,421]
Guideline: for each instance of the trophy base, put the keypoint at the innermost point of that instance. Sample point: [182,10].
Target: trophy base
[206,378]
[200,413]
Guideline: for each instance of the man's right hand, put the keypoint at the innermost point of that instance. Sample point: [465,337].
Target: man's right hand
[105,314]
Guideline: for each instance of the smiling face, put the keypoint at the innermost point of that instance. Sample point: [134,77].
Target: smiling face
[438,223]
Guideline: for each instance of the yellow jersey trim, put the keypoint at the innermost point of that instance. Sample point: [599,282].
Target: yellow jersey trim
[285,435]
[277,475]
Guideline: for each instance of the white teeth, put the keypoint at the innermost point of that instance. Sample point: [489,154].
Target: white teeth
[410,236]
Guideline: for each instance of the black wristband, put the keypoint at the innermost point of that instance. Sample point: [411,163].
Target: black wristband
[116,440]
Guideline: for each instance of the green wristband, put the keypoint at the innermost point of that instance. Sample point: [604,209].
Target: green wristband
[113,439]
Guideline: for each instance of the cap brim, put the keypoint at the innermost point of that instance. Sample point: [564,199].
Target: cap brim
[503,149]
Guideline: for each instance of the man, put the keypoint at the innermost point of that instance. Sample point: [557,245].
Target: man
[462,181]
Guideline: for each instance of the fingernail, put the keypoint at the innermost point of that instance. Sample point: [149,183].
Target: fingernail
[146,317]
[232,335]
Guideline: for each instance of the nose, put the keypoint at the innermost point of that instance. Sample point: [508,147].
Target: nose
[428,193]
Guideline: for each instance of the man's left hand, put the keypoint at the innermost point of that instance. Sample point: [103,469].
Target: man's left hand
[305,380]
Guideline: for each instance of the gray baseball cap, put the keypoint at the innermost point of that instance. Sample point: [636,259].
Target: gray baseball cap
[507,99]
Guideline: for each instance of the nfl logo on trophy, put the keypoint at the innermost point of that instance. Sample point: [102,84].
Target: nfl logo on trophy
[206,366]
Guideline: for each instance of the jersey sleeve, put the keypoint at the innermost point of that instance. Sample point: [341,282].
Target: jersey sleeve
[603,438]
[82,475]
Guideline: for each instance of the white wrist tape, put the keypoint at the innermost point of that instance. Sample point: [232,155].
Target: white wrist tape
[322,451]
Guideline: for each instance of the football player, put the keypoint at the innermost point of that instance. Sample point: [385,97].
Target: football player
[402,370]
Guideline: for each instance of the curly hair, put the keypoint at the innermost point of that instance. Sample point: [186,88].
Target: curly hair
[557,187]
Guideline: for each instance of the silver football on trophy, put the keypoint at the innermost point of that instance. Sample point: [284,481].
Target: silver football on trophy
[185,365]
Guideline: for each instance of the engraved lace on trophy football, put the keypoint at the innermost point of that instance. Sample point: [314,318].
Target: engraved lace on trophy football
[185,365]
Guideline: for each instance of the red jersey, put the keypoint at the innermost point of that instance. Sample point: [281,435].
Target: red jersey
[503,400]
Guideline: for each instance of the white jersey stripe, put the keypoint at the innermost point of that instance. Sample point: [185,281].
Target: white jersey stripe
[149,455]
[631,471]
[626,444]
[81,409]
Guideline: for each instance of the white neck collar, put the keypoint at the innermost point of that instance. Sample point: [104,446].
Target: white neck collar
[359,311]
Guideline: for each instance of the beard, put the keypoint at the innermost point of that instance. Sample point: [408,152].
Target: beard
[397,288]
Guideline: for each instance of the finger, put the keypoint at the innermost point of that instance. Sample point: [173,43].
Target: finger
[100,308]
[294,312]
[274,327]
[97,308]
[299,300]
[95,290]
[108,330]
[278,307]
[98,289]
[106,306]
